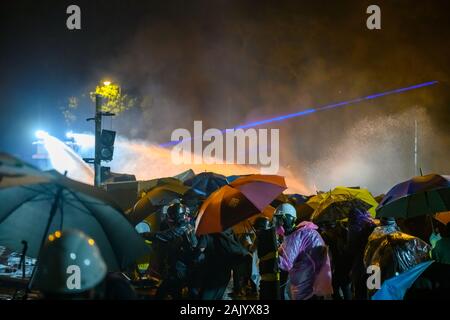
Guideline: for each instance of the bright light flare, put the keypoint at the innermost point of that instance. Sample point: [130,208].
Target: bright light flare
[106,82]
[41,134]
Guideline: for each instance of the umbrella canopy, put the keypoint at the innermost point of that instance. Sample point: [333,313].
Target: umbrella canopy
[443,217]
[243,198]
[396,287]
[153,200]
[337,207]
[206,183]
[150,184]
[32,212]
[14,172]
[418,196]
[298,198]
[185,175]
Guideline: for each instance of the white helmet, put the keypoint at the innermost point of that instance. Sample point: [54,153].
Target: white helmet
[286,209]
[70,262]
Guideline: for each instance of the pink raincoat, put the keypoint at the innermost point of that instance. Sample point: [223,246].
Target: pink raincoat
[304,255]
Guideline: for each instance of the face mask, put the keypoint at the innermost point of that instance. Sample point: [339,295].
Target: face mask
[280,230]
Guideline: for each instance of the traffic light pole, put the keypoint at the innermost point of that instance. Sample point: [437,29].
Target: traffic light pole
[98,132]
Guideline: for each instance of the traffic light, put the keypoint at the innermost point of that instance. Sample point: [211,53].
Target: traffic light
[105,173]
[106,149]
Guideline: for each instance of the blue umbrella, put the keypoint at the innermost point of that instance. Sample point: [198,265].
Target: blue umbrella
[418,196]
[396,287]
[206,183]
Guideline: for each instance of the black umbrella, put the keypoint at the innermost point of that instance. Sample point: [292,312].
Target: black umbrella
[31,213]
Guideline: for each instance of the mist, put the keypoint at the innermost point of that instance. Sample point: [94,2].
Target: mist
[229,63]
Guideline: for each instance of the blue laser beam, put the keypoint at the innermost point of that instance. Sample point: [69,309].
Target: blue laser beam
[320,108]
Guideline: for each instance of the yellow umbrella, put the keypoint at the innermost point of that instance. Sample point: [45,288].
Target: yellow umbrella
[315,201]
[362,194]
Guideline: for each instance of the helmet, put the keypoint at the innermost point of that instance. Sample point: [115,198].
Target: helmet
[70,262]
[262,223]
[177,212]
[286,209]
[285,215]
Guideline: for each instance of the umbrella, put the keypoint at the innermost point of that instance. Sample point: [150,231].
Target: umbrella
[206,183]
[154,200]
[14,172]
[443,217]
[418,196]
[396,287]
[32,212]
[337,207]
[314,201]
[359,193]
[151,184]
[298,198]
[243,198]
[185,175]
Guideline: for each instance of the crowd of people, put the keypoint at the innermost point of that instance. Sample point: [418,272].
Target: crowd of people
[283,257]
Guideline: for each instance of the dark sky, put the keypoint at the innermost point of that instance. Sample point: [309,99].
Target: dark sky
[224,62]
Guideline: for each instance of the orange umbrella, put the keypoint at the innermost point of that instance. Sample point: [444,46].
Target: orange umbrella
[243,198]
[443,217]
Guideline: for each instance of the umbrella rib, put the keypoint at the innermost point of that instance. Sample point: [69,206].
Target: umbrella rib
[101,225]
[18,206]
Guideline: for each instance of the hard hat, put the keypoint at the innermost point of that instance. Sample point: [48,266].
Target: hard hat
[70,262]
[286,209]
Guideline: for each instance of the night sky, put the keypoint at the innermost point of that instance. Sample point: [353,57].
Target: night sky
[224,62]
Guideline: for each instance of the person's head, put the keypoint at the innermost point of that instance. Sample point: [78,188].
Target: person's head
[262,223]
[177,214]
[70,266]
[285,216]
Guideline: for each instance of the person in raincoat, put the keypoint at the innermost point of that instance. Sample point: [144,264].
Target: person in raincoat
[387,226]
[304,255]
